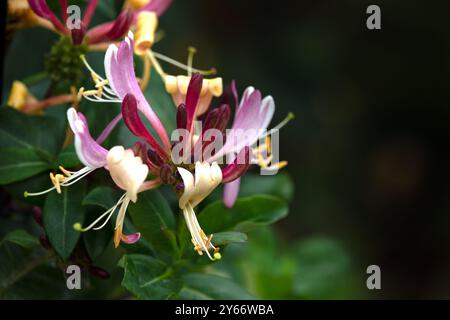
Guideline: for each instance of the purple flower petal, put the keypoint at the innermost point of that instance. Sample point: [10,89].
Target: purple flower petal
[239,166]
[130,238]
[90,153]
[230,193]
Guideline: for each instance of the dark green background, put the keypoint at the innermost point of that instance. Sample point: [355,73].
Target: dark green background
[369,148]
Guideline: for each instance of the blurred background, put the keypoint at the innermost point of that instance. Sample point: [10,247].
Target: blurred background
[368,151]
[369,147]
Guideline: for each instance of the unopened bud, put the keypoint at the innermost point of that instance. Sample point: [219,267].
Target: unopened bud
[98,272]
[37,214]
[44,242]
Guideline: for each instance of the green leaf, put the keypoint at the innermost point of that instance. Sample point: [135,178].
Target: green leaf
[18,164]
[227,237]
[323,269]
[246,214]
[104,197]
[22,238]
[96,241]
[28,144]
[42,134]
[23,270]
[148,278]
[61,212]
[280,185]
[68,157]
[152,216]
[198,286]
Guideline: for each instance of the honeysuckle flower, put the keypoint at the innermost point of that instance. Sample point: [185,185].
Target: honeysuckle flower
[252,117]
[105,32]
[121,85]
[129,173]
[207,178]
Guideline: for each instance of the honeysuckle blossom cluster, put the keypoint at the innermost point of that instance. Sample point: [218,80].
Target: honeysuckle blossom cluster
[192,163]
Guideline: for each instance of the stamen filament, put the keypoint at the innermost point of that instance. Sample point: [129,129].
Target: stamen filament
[180,65]
[110,211]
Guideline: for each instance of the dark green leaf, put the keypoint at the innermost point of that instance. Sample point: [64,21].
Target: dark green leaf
[17,164]
[148,278]
[247,213]
[104,197]
[42,134]
[152,216]
[61,212]
[22,238]
[323,269]
[222,238]
[198,286]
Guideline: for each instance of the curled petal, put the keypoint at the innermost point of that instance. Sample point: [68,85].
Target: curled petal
[130,238]
[90,153]
[207,178]
[127,170]
[239,166]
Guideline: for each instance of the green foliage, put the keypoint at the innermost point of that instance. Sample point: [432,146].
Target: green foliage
[61,212]
[198,286]
[153,217]
[28,144]
[22,273]
[148,278]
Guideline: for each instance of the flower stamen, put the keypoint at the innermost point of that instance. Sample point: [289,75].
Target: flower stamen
[62,180]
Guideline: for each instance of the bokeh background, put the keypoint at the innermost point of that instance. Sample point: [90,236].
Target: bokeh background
[368,151]
[369,148]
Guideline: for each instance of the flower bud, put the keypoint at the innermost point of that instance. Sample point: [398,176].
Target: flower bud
[98,272]
[37,214]
[44,242]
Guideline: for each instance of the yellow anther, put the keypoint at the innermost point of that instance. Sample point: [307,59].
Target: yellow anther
[56,180]
[67,173]
[269,145]
[101,84]
[278,165]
